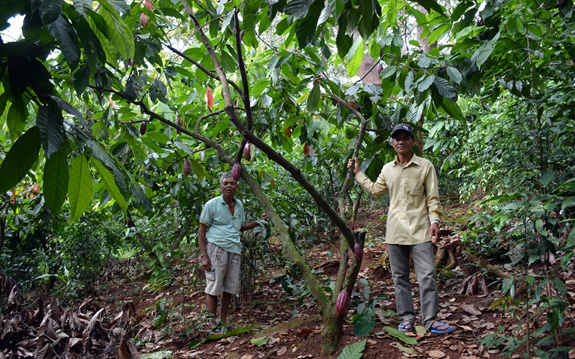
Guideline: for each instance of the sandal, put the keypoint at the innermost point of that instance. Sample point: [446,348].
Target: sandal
[406,326]
[435,328]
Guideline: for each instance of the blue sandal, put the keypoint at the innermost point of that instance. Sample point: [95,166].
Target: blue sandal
[435,328]
[406,326]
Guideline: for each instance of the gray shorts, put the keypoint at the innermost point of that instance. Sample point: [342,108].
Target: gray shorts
[224,274]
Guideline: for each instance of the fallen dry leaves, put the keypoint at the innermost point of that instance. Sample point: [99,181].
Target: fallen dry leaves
[50,331]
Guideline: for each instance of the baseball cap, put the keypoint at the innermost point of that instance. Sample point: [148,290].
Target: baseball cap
[402,127]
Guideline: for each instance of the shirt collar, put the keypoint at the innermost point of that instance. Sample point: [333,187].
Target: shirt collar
[416,160]
[223,201]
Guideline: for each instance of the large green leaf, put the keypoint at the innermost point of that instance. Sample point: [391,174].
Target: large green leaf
[430,5]
[452,109]
[80,187]
[369,21]
[353,351]
[117,32]
[314,97]
[16,119]
[355,56]
[298,8]
[438,32]
[50,131]
[306,27]
[444,88]
[56,179]
[67,39]
[83,7]
[50,10]
[363,326]
[454,74]
[343,40]
[110,184]
[22,155]
[484,51]
[394,332]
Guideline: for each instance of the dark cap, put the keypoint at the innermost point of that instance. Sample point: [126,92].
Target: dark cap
[402,127]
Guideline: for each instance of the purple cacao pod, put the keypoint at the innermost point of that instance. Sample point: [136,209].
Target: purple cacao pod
[143,128]
[358,251]
[247,151]
[342,302]
[187,167]
[237,171]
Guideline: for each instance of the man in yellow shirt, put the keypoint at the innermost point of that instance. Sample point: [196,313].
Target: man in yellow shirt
[412,227]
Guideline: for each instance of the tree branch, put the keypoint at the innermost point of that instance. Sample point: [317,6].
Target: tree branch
[246,93]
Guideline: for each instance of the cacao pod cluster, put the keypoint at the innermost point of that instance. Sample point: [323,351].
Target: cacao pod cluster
[237,171]
[342,303]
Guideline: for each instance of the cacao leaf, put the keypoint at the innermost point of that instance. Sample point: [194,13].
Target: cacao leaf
[80,187]
[355,56]
[110,183]
[19,159]
[314,97]
[396,333]
[50,10]
[353,351]
[454,74]
[56,178]
[118,32]
[363,326]
[16,119]
[50,131]
[444,88]
[298,8]
[67,39]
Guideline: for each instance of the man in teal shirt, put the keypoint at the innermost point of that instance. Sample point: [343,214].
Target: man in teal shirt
[221,221]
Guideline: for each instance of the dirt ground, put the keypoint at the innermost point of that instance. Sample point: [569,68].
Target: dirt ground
[279,330]
[129,318]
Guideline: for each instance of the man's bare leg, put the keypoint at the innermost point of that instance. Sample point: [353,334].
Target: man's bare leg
[226,300]
[212,302]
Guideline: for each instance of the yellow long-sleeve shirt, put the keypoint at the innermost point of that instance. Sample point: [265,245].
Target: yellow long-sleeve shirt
[413,199]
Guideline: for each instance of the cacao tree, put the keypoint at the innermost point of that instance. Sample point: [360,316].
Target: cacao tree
[107,101]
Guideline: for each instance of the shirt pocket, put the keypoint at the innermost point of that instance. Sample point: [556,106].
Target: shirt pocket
[413,187]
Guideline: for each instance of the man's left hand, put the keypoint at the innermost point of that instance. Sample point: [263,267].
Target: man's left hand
[434,233]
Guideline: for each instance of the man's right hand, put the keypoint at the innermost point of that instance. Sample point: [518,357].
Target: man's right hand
[353,162]
[206,265]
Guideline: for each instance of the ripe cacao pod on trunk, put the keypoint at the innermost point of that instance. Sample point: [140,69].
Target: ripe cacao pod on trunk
[358,251]
[247,151]
[187,167]
[143,128]
[237,171]
[342,302]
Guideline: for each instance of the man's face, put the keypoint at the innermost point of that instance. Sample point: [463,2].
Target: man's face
[228,186]
[403,143]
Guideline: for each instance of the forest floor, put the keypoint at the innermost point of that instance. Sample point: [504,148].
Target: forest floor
[288,326]
[130,318]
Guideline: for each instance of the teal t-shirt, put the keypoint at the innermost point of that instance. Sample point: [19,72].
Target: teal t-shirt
[223,227]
